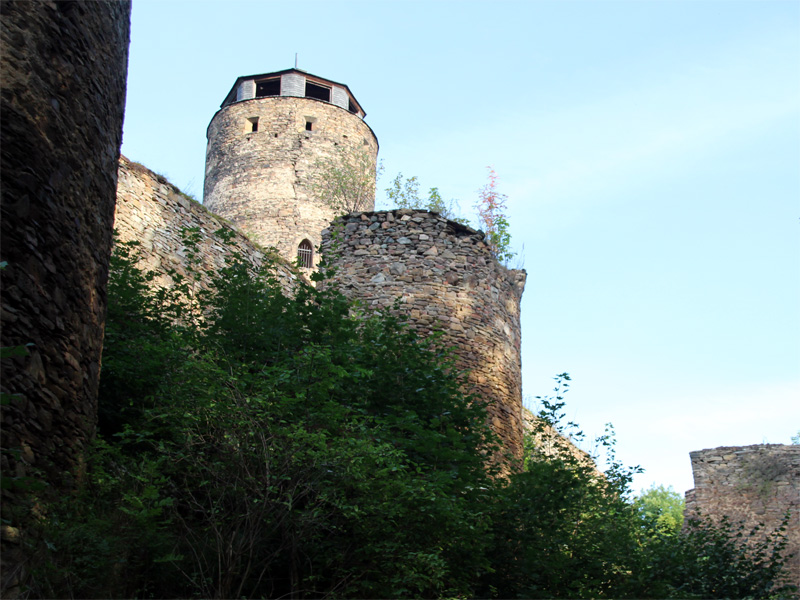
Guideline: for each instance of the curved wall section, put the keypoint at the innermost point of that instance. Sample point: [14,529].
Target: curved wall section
[446,279]
[261,180]
[750,485]
[63,68]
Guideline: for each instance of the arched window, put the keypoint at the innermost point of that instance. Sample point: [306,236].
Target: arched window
[305,254]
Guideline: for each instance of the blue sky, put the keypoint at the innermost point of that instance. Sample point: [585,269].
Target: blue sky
[650,152]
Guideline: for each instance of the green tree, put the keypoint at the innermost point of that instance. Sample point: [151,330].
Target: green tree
[562,529]
[491,208]
[345,180]
[293,449]
[662,506]
[286,445]
[404,193]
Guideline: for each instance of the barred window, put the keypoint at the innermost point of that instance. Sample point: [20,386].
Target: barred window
[305,254]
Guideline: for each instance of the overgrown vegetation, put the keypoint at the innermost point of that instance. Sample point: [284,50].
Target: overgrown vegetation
[661,506]
[491,208]
[255,444]
[404,193]
[345,180]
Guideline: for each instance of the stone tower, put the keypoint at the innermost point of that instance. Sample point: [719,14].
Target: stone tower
[266,144]
[64,67]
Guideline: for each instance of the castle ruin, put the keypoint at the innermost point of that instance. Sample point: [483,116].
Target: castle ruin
[750,485]
[265,147]
[64,71]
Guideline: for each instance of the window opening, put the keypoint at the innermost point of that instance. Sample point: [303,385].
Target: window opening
[352,107]
[268,87]
[318,91]
[309,126]
[305,254]
[251,125]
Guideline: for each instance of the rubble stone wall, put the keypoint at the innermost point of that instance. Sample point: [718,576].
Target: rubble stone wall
[155,213]
[63,67]
[750,485]
[445,278]
[261,181]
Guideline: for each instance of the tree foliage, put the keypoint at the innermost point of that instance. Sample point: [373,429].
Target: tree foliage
[404,193]
[662,507]
[259,444]
[491,208]
[272,445]
[345,180]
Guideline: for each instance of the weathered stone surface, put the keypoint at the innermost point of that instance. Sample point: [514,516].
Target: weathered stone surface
[549,442]
[261,181]
[155,213]
[459,289]
[750,485]
[63,69]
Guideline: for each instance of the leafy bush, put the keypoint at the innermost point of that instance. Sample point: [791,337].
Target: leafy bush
[662,507]
[491,209]
[259,444]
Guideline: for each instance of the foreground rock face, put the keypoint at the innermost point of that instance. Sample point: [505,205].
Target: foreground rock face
[750,485]
[64,67]
[445,278]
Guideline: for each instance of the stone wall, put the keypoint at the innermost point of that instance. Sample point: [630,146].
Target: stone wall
[261,181]
[155,213]
[549,442]
[750,485]
[445,277]
[63,68]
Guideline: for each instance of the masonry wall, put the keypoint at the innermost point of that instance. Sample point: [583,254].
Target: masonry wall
[155,213]
[64,67]
[445,277]
[549,442]
[261,181]
[751,485]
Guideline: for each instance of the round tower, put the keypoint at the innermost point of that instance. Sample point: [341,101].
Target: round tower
[272,138]
[446,279]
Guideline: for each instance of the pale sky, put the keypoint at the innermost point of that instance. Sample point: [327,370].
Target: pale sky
[650,152]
